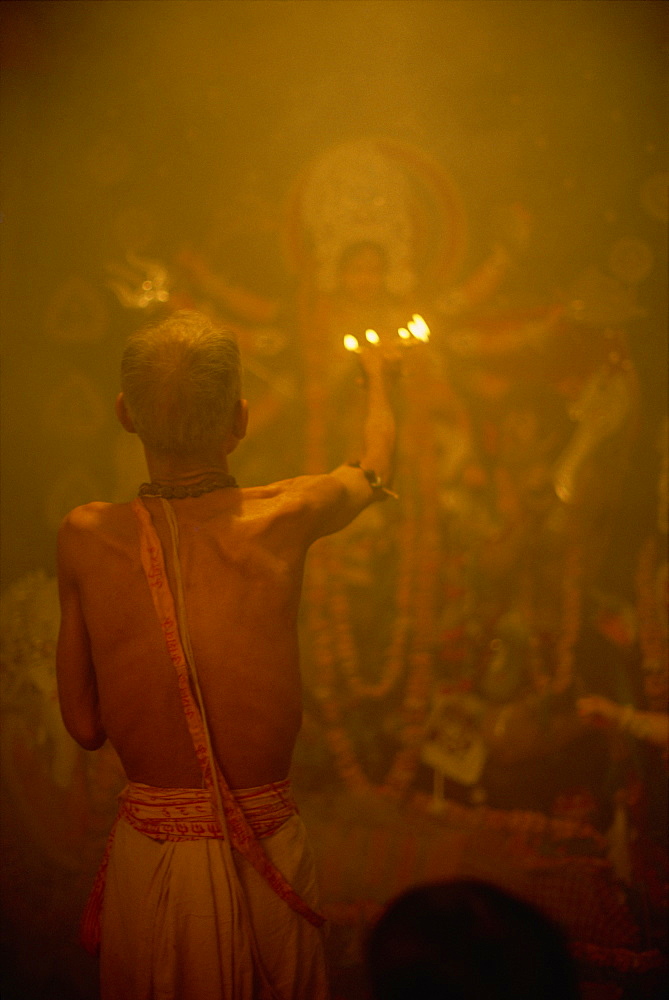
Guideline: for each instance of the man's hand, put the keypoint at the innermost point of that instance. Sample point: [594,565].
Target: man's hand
[382,361]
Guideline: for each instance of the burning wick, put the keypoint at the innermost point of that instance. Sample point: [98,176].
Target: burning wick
[416,329]
[351,343]
[419,328]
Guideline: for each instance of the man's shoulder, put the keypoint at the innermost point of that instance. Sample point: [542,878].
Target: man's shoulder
[296,493]
[297,511]
[92,518]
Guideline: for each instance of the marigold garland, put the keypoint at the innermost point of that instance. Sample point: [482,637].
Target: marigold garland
[412,639]
[652,617]
[572,600]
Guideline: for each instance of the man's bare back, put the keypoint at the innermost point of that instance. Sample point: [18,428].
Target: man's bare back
[242,555]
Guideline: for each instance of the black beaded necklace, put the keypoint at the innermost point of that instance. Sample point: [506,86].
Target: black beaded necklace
[180,491]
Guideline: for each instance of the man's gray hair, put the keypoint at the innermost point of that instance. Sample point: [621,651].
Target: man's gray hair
[181,379]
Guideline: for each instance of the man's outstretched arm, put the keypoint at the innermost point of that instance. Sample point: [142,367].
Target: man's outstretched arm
[379,435]
[349,488]
[77,687]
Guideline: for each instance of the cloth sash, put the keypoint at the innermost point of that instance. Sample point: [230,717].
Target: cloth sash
[173,623]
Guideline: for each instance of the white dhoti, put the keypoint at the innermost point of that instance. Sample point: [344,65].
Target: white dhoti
[191,919]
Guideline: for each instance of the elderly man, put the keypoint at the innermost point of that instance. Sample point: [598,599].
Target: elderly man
[178,643]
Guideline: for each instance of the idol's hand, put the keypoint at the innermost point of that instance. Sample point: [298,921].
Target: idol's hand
[595,706]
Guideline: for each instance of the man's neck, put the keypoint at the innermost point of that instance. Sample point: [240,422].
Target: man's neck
[178,481]
[169,469]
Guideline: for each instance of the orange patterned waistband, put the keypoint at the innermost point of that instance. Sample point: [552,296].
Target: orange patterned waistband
[176,814]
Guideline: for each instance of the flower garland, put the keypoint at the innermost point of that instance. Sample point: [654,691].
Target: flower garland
[420,681]
[572,600]
[652,617]
[333,644]
[347,651]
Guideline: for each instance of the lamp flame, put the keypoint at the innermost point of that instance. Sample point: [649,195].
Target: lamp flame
[351,342]
[372,337]
[419,328]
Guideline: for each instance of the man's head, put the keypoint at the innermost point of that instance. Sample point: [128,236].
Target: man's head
[181,387]
[467,940]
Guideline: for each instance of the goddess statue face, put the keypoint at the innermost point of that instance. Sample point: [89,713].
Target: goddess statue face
[362,273]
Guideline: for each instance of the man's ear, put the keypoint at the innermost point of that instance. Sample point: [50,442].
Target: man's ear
[122,413]
[240,419]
